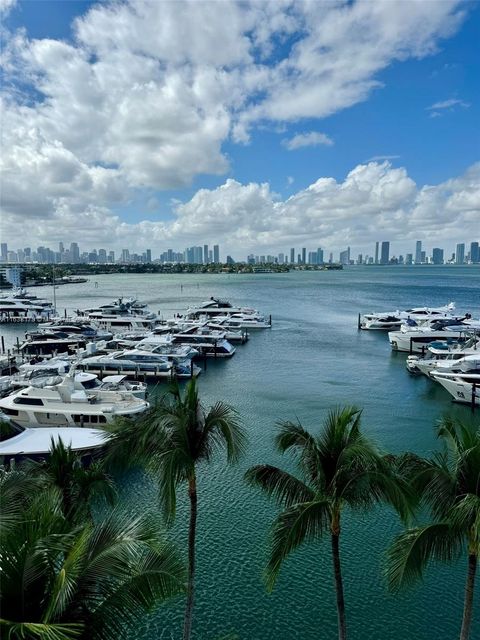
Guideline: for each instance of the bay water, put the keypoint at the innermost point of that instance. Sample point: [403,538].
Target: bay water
[311,360]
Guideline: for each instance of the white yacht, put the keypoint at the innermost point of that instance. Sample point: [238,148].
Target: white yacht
[138,364]
[463,387]
[390,320]
[206,342]
[74,326]
[22,442]
[415,339]
[13,307]
[439,351]
[45,343]
[217,307]
[63,405]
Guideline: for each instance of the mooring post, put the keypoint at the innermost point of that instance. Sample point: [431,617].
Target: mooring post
[474,393]
[3,345]
[191,368]
[18,345]
[270,319]
[359,322]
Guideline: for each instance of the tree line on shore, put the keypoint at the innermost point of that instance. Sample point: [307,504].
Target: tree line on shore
[73,571]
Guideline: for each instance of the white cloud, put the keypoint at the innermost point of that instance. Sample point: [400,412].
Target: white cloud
[448,104]
[311,139]
[382,158]
[375,201]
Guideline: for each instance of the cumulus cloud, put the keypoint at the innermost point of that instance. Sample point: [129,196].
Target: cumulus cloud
[311,139]
[146,94]
[375,201]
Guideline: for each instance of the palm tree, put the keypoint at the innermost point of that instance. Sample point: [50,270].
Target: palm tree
[449,484]
[62,581]
[172,440]
[340,468]
[78,483]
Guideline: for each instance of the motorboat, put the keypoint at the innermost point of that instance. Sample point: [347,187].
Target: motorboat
[18,443]
[463,387]
[122,306]
[415,339]
[75,327]
[139,364]
[42,343]
[206,342]
[64,404]
[218,323]
[217,307]
[439,351]
[117,323]
[13,307]
[392,320]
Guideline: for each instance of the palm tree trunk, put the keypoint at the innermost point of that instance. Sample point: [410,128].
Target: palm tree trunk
[342,623]
[192,492]
[468,604]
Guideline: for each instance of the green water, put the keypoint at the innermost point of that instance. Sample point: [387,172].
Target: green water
[311,360]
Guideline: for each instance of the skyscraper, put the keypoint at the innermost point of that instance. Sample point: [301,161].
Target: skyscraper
[292,255]
[304,255]
[4,252]
[437,256]
[460,254]
[418,252]
[216,253]
[205,254]
[319,256]
[474,252]
[385,253]
[148,255]
[376,253]
[74,253]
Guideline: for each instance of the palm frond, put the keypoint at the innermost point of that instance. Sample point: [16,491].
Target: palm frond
[412,551]
[298,524]
[40,631]
[223,428]
[280,485]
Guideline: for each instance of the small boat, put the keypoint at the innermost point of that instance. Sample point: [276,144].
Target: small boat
[440,351]
[206,342]
[139,364]
[18,443]
[64,405]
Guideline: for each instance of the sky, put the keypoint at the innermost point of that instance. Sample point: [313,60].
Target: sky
[258,126]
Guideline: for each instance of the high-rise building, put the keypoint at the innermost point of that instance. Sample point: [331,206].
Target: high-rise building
[474,252]
[418,252]
[102,256]
[460,253]
[148,255]
[4,254]
[74,253]
[437,256]
[376,253]
[292,255]
[319,256]
[312,257]
[216,253]
[304,255]
[205,254]
[385,253]
[409,258]
[230,260]
[125,255]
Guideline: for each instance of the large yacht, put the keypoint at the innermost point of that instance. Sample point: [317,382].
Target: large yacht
[439,351]
[75,327]
[463,387]
[139,364]
[42,343]
[415,339]
[14,307]
[390,320]
[208,343]
[64,405]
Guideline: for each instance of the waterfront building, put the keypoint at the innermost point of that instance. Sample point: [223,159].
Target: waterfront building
[376,253]
[418,252]
[460,253]
[205,254]
[74,253]
[385,253]
[292,255]
[304,255]
[319,256]
[409,258]
[230,260]
[4,252]
[216,253]
[312,257]
[437,256]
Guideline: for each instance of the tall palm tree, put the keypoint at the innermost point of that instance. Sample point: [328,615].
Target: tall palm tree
[449,484]
[62,581]
[340,468]
[171,440]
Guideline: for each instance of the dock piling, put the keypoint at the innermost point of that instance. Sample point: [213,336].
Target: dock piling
[359,322]
[474,394]
[3,344]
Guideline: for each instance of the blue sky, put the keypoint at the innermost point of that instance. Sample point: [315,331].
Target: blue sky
[203,179]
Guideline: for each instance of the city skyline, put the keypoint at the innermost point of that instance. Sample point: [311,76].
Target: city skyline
[203,254]
[264,125]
